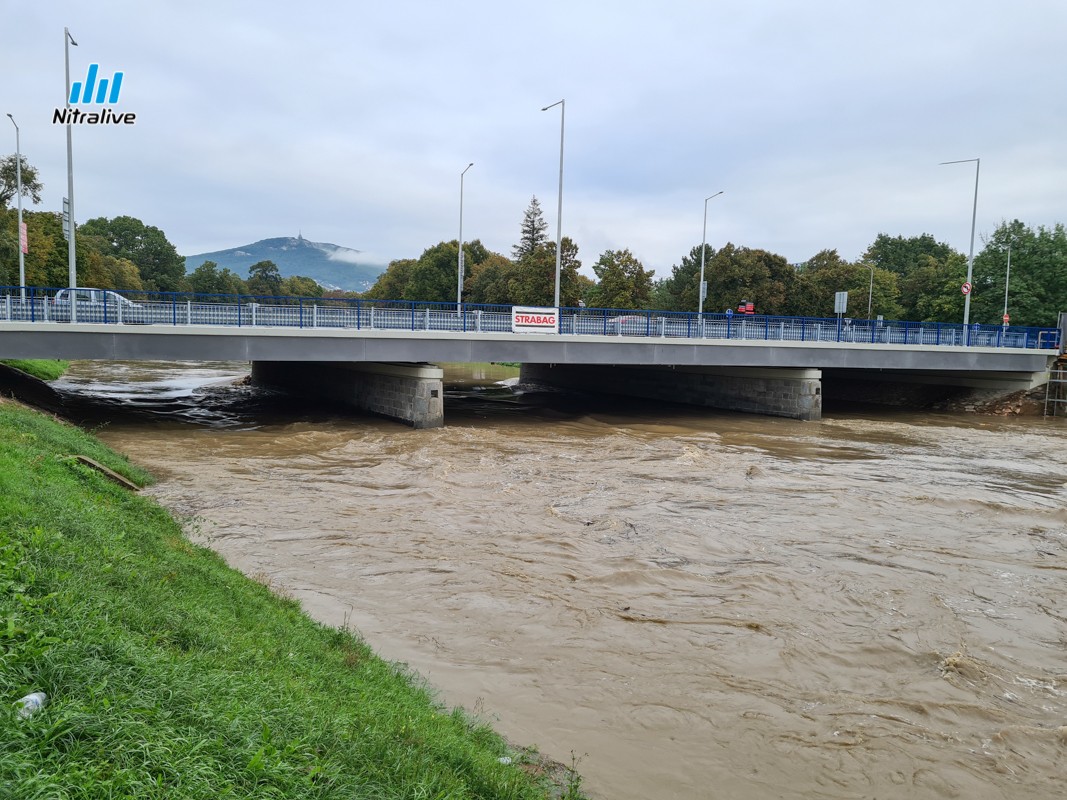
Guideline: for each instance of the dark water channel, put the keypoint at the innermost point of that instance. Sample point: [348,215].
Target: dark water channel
[696,604]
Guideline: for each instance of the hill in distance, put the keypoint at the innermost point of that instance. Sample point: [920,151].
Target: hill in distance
[331,265]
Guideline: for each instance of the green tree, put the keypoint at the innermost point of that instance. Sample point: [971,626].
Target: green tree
[679,291]
[31,186]
[264,278]
[209,279]
[902,255]
[161,268]
[931,291]
[1037,286]
[622,281]
[823,275]
[391,283]
[489,280]
[740,273]
[532,236]
[302,286]
[434,275]
[532,281]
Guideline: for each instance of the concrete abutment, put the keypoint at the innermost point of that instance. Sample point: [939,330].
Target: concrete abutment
[793,393]
[409,393]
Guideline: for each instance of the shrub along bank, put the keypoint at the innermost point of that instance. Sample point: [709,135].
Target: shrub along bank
[171,675]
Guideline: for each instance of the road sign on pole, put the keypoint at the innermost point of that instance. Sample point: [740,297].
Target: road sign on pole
[966,288]
[840,302]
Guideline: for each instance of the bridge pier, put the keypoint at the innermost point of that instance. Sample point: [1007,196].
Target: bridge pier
[793,393]
[410,393]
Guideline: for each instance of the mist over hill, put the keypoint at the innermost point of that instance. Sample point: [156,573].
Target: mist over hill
[331,265]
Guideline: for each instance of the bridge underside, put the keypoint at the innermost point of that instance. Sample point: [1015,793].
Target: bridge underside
[794,393]
[410,393]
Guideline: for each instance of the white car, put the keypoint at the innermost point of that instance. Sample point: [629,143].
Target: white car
[97,305]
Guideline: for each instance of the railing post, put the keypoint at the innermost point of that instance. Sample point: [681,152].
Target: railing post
[7,307]
[372,317]
[359,314]
[240,311]
[427,319]
[729,322]
[300,300]
[315,315]
[188,312]
[173,308]
[478,320]
[412,315]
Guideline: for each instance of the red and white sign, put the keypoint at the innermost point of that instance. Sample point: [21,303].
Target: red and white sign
[1007,319]
[966,288]
[528,319]
[24,240]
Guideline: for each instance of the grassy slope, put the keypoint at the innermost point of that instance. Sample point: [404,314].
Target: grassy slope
[45,370]
[171,675]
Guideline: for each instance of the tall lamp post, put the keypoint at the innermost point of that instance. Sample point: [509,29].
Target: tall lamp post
[459,271]
[18,189]
[1007,278]
[72,270]
[559,211]
[703,248]
[974,216]
[870,292]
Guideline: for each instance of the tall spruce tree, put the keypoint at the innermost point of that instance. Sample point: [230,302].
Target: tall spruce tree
[533,231]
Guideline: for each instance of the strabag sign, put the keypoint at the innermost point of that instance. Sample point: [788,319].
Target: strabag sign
[527,319]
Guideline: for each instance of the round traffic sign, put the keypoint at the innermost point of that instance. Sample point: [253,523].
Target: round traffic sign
[966,288]
[1006,319]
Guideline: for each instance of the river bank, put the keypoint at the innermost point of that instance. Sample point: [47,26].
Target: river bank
[170,674]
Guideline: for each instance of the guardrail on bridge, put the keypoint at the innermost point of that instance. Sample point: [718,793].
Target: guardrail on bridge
[107,307]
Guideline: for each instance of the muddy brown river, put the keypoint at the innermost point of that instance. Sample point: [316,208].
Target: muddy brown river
[694,604]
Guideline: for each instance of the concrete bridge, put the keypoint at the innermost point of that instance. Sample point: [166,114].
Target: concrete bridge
[391,370]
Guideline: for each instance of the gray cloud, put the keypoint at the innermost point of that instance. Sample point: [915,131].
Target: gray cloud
[823,121]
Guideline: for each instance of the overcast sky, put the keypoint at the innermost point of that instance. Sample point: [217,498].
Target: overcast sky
[823,121]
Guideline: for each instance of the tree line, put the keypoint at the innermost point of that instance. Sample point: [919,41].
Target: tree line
[897,277]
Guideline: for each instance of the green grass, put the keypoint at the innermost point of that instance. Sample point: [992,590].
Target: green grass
[171,675]
[45,370]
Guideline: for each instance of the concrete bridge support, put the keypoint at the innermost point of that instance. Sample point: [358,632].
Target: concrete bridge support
[794,393]
[410,393]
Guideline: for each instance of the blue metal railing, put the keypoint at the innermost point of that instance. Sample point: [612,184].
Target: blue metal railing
[36,304]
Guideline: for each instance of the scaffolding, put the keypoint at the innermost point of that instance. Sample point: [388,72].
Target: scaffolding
[1056,390]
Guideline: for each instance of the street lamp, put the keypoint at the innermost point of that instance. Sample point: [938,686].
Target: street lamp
[1007,277]
[72,270]
[18,189]
[459,271]
[559,211]
[974,216]
[703,247]
[870,291]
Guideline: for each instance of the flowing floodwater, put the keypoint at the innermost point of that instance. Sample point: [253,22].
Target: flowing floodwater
[695,604]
